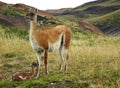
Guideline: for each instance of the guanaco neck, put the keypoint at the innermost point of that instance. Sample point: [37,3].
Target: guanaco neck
[33,24]
[32,71]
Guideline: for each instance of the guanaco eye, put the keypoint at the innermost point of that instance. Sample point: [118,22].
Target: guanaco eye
[31,14]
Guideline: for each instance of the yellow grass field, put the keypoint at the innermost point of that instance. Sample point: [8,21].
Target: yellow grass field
[94,63]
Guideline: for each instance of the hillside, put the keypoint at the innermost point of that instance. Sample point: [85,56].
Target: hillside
[109,23]
[55,12]
[96,10]
[14,14]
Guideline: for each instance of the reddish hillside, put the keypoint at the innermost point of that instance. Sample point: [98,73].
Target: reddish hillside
[87,26]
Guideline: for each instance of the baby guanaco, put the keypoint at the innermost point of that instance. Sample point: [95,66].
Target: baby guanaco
[21,76]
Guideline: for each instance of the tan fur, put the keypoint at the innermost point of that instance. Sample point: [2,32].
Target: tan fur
[52,35]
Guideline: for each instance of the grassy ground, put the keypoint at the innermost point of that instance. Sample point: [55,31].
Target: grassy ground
[94,63]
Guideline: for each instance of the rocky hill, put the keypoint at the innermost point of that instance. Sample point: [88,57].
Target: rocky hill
[101,11]
[14,14]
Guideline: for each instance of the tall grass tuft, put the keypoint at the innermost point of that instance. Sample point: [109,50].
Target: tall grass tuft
[10,32]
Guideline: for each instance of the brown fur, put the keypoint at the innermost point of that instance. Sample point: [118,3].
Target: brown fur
[52,35]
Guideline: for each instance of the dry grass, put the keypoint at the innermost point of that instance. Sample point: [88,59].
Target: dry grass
[94,62]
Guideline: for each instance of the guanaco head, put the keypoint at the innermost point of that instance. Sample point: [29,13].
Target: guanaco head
[33,64]
[34,67]
[32,15]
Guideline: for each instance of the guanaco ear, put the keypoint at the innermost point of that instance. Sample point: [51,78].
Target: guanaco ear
[36,11]
[30,9]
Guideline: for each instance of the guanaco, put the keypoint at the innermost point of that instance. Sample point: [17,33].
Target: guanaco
[21,76]
[49,39]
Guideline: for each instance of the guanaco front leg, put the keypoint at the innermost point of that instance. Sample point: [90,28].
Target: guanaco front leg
[45,61]
[38,54]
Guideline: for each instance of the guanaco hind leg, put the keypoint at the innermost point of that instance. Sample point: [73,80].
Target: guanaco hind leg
[64,57]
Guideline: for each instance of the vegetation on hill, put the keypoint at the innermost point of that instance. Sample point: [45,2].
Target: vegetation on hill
[109,23]
[11,32]
[112,19]
[98,3]
[14,14]
[8,9]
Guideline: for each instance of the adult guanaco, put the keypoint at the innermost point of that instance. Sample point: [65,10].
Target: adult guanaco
[48,39]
